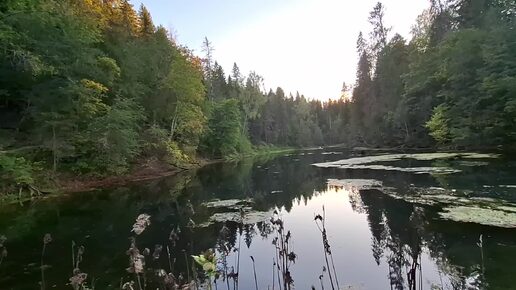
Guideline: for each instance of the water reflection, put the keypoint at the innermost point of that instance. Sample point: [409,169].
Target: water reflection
[377,242]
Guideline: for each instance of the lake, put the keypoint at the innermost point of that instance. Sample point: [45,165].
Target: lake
[380,236]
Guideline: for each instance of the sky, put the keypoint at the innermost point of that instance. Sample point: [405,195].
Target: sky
[300,45]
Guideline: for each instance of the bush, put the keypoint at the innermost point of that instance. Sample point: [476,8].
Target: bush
[15,173]
[176,156]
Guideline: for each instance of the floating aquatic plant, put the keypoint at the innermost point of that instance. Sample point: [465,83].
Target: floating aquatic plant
[227,203]
[359,184]
[480,215]
[249,217]
[368,162]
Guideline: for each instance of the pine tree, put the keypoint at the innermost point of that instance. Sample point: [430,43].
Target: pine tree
[147,27]
[129,18]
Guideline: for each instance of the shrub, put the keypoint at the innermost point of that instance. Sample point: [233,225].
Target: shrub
[15,173]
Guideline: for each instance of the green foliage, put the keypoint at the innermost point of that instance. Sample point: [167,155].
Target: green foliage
[117,136]
[16,174]
[454,81]
[176,156]
[224,133]
[208,262]
[438,125]
[16,169]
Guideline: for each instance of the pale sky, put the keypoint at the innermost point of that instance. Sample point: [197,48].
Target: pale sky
[301,45]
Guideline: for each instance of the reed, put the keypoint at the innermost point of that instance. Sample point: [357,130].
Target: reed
[3,249]
[320,221]
[254,272]
[285,257]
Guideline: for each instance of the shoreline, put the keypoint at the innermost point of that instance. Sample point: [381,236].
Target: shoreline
[150,171]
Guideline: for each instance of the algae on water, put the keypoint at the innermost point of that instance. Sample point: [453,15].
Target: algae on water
[486,216]
[359,184]
[453,204]
[370,162]
[228,203]
[248,216]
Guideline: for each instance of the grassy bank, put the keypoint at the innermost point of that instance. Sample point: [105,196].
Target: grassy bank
[27,181]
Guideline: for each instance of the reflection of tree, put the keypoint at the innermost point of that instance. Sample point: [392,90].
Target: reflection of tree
[373,205]
[265,229]
[395,227]
[249,232]
[401,230]
[270,183]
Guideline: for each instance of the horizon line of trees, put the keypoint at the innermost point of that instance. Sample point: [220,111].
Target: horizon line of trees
[95,87]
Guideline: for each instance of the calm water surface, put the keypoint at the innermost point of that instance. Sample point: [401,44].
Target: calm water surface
[374,238]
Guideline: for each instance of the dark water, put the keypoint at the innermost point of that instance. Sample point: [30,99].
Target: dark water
[374,238]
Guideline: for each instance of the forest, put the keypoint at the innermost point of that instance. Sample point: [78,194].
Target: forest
[95,88]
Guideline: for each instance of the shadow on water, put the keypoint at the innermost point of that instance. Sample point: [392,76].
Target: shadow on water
[377,241]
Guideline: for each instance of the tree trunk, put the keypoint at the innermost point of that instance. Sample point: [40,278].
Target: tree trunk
[173,125]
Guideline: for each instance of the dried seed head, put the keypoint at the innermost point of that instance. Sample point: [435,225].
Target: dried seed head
[190,207]
[191,224]
[3,254]
[170,280]
[141,223]
[128,286]
[139,264]
[292,257]
[78,279]
[47,239]
[2,240]
[174,236]
[157,252]
[161,273]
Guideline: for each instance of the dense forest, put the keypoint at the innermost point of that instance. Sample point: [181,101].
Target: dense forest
[94,87]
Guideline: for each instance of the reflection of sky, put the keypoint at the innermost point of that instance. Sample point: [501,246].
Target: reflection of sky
[350,239]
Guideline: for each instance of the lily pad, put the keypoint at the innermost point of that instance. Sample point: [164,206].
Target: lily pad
[416,170]
[248,218]
[359,184]
[485,216]
[332,153]
[470,163]
[368,162]
[228,203]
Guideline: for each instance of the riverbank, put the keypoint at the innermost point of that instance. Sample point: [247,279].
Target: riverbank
[146,169]
[154,169]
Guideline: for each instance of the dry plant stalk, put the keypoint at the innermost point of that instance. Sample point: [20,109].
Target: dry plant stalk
[320,221]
